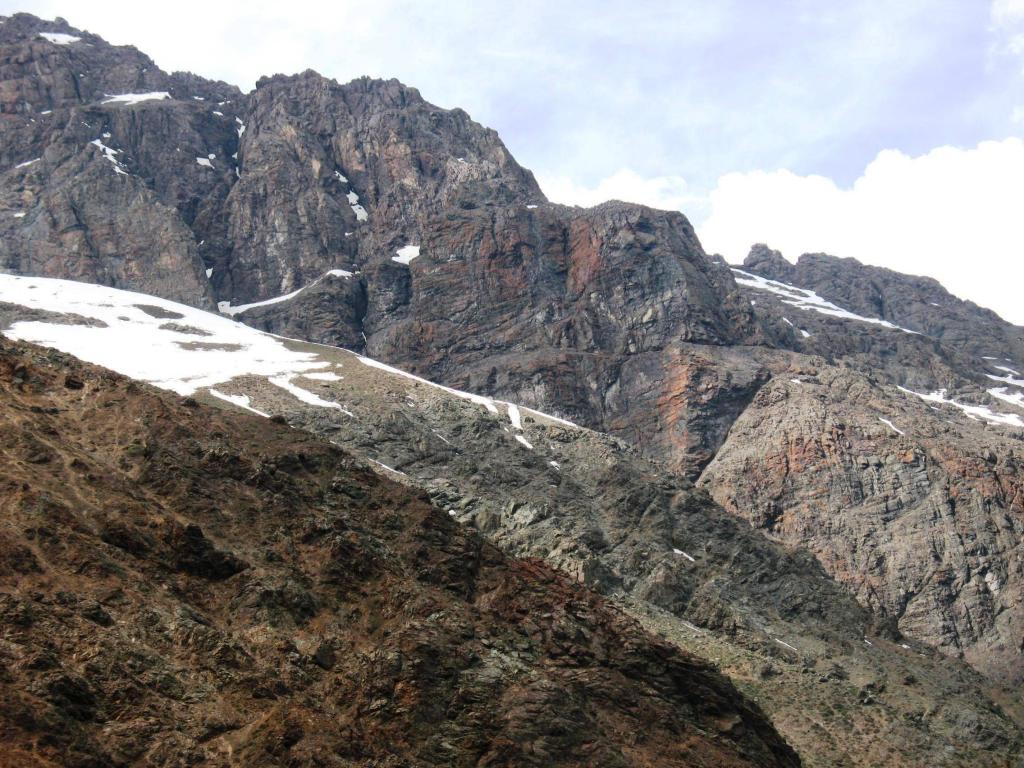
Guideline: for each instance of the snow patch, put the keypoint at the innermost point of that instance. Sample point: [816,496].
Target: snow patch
[27,163]
[129,99]
[557,419]
[514,416]
[285,383]
[357,209]
[1013,398]
[111,155]
[891,426]
[680,552]
[977,412]
[406,254]
[524,441]
[242,401]
[1007,379]
[225,308]
[325,376]
[389,469]
[59,38]
[204,162]
[132,341]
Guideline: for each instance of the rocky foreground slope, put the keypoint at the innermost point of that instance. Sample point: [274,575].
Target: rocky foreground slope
[185,585]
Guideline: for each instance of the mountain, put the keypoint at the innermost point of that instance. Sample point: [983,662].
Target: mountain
[809,473]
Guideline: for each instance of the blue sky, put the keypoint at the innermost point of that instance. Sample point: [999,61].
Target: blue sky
[726,109]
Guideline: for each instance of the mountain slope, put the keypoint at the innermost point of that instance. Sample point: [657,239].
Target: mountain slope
[182,584]
[832,674]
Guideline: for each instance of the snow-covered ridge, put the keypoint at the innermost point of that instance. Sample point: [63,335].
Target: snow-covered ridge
[184,349]
[224,307]
[171,345]
[807,300]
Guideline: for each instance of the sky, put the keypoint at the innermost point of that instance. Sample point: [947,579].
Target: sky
[887,131]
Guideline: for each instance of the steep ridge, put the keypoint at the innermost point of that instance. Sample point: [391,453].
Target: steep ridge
[918,303]
[185,585]
[834,677]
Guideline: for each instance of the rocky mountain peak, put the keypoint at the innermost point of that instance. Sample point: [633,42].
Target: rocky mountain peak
[768,262]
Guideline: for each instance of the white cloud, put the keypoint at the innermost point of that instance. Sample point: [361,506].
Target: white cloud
[665,192]
[1007,11]
[1008,26]
[953,214]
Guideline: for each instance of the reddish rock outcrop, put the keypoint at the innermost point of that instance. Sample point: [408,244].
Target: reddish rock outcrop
[919,512]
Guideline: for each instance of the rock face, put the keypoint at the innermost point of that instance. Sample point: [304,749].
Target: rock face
[339,175]
[104,191]
[148,193]
[921,517]
[182,585]
[593,314]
